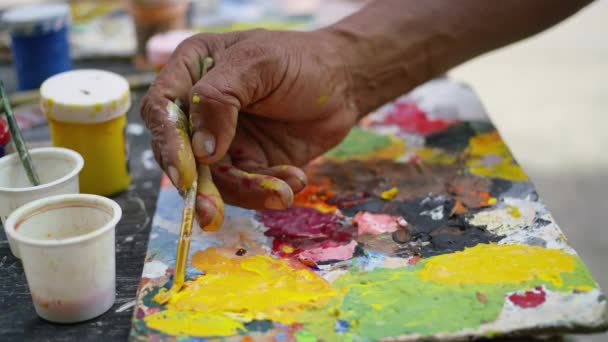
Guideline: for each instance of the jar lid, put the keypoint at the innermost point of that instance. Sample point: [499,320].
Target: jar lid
[85,96]
[161,46]
[37,19]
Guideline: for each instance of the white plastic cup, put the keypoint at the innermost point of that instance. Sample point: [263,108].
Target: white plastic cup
[58,169]
[67,250]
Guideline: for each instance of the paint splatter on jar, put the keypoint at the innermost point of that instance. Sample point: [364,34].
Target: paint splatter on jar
[87,110]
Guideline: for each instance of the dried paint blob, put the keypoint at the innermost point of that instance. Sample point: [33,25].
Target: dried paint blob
[306,229]
[528,299]
[235,290]
[375,224]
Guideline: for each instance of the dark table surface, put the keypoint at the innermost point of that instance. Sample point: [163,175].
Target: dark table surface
[18,320]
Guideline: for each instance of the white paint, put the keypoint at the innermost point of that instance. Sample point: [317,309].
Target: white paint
[135,129]
[147,160]
[154,269]
[435,214]
[126,306]
[446,99]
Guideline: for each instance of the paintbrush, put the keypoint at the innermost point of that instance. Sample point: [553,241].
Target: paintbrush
[20,145]
[185,231]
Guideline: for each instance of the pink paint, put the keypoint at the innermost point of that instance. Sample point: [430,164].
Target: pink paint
[410,118]
[529,299]
[375,224]
[336,252]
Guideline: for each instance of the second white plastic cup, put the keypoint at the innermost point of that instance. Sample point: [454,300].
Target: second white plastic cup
[58,169]
[67,250]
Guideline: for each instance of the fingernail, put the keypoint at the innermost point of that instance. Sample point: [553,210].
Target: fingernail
[274,202]
[296,183]
[173,175]
[203,144]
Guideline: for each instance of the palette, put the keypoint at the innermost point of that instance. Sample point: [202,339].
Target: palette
[420,224]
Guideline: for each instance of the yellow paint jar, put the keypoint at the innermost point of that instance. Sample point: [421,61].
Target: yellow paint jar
[87,110]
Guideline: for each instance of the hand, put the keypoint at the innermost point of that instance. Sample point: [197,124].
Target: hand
[271,102]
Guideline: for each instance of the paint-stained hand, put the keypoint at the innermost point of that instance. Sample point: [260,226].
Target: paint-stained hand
[272,102]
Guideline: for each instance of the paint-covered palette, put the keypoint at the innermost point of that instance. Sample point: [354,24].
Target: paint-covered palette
[419,224]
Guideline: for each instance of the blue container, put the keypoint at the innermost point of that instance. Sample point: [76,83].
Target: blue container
[39,41]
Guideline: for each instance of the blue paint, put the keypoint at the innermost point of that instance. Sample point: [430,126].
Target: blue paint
[369,261]
[39,41]
[341,326]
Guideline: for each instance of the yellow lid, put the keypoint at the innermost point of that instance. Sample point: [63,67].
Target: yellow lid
[85,96]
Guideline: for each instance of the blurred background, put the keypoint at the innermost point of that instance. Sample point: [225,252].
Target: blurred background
[547,95]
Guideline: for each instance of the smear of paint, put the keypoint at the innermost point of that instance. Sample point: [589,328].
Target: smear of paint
[307,229]
[193,323]
[235,290]
[529,299]
[410,118]
[502,166]
[330,251]
[375,224]
[365,144]
[497,264]
[426,307]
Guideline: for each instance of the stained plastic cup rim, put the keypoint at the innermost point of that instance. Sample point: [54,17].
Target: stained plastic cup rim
[41,150]
[33,208]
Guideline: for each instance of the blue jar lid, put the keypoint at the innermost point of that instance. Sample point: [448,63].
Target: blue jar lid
[37,19]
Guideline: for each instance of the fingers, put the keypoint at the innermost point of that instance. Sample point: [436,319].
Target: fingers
[167,123]
[209,203]
[215,102]
[249,190]
[293,176]
[170,140]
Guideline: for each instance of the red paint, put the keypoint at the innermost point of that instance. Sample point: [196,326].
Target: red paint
[5,135]
[529,299]
[305,228]
[224,168]
[410,118]
[246,182]
[413,260]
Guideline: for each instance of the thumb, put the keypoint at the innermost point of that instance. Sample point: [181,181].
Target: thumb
[215,101]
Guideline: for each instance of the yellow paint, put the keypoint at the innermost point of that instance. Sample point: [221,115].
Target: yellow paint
[98,107]
[498,264]
[389,194]
[208,188]
[584,288]
[287,249]
[513,211]
[193,323]
[105,162]
[434,156]
[271,184]
[321,100]
[492,200]
[489,144]
[196,99]
[235,289]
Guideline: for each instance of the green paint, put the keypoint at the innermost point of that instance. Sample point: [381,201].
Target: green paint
[359,142]
[392,302]
[305,336]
